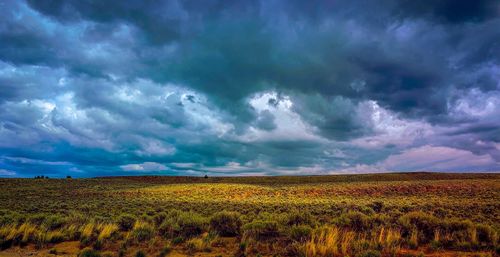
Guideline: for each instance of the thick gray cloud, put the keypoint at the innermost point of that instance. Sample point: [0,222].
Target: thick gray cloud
[262,87]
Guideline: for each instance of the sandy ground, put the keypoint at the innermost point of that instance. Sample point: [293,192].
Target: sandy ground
[71,249]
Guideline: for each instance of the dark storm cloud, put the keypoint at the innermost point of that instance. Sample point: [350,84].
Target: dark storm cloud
[451,11]
[174,86]
[159,20]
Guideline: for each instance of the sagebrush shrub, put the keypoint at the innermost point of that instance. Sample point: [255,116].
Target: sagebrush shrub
[458,231]
[261,229]
[11,218]
[36,219]
[126,222]
[485,234]
[377,206]
[159,218]
[300,233]
[88,252]
[299,218]
[354,220]
[184,224]
[424,223]
[52,222]
[226,223]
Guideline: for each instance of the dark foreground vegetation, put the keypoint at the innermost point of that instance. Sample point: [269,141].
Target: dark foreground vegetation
[353,215]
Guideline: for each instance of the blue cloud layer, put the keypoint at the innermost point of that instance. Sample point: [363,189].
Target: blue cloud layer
[90,88]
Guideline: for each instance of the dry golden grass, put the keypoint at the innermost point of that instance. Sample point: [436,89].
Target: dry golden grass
[107,231]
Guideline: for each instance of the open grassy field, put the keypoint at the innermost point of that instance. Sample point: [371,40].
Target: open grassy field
[349,215]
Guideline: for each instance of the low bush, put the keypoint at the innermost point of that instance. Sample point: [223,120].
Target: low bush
[226,223]
[126,222]
[260,229]
[185,224]
[53,222]
[177,240]
[11,219]
[88,252]
[354,220]
[36,219]
[424,224]
[485,234]
[377,206]
[456,231]
[159,218]
[300,233]
[296,217]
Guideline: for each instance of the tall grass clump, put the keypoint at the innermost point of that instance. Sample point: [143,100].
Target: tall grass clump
[142,231]
[334,241]
[107,231]
[324,241]
[197,245]
[87,232]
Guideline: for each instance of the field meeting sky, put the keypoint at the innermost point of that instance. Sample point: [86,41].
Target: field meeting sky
[97,88]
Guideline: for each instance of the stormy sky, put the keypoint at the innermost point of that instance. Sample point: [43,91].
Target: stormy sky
[97,88]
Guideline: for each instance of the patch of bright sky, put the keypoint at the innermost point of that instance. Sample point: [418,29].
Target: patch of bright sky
[289,125]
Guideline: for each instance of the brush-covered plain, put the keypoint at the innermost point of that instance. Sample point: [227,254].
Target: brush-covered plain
[406,214]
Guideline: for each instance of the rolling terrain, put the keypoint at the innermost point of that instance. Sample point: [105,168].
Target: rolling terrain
[399,214]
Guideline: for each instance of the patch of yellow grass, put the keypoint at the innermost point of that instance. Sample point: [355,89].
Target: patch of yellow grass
[140,224]
[87,230]
[323,242]
[28,232]
[389,237]
[6,230]
[346,242]
[107,231]
[332,241]
[54,236]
